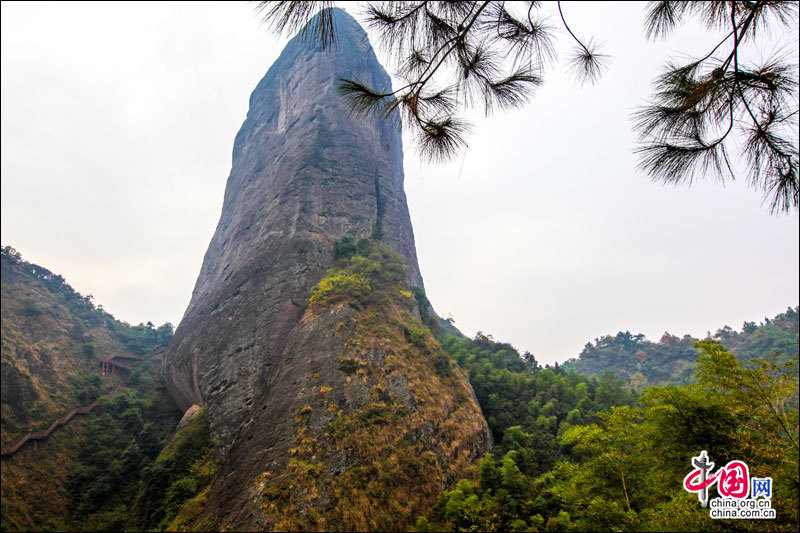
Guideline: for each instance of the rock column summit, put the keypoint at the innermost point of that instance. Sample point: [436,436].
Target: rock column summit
[338,415]
[305,173]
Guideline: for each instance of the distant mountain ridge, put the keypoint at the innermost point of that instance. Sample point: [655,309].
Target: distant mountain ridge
[670,360]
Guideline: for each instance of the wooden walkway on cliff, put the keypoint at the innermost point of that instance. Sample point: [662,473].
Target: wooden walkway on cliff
[108,364]
[111,362]
[60,422]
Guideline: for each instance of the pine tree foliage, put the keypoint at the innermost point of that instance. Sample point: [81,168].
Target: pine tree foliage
[703,116]
[450,56]
[705,109]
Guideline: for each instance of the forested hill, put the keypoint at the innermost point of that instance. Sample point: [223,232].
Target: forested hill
[85,473]
[578,453]
[138,339]
[671,359]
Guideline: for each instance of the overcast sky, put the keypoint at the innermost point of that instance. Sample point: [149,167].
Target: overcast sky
[118,123]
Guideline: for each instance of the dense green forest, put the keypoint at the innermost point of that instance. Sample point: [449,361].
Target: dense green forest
[121,443]
[671,360]
[583,455]
[524,404]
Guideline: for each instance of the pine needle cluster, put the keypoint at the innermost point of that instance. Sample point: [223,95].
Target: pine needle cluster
[456,55]
[706,110]
[450,56]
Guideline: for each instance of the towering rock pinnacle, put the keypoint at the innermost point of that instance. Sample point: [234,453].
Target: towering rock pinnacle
[304,174]
[333,413]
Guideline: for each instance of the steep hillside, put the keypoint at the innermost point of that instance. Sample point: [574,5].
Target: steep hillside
[671,359]
[48,352]
[364,421]
[52,343]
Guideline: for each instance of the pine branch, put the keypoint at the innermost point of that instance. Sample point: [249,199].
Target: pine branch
[294,16]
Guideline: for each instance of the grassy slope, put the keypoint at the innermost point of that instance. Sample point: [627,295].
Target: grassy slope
[400,452]
[43,361]
[43,368]
[46,367]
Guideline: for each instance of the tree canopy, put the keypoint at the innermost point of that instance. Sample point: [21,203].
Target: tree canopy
[615,464]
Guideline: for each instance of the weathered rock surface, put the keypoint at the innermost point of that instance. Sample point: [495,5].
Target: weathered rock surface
[357,430]
[341,415]
[188,416]
[304,174]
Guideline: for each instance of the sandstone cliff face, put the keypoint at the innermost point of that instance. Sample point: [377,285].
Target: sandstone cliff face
[363,422]
[304,174]
[339,412]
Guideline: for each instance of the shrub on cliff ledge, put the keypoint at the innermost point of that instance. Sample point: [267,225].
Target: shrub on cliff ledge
[339,286]
[375,270]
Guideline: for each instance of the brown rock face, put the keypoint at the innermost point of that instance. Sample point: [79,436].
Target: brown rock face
[304,174]
[339,413]
[358,430]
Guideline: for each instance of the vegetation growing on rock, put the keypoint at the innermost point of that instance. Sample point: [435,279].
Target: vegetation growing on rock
[173,485]
[380,421]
